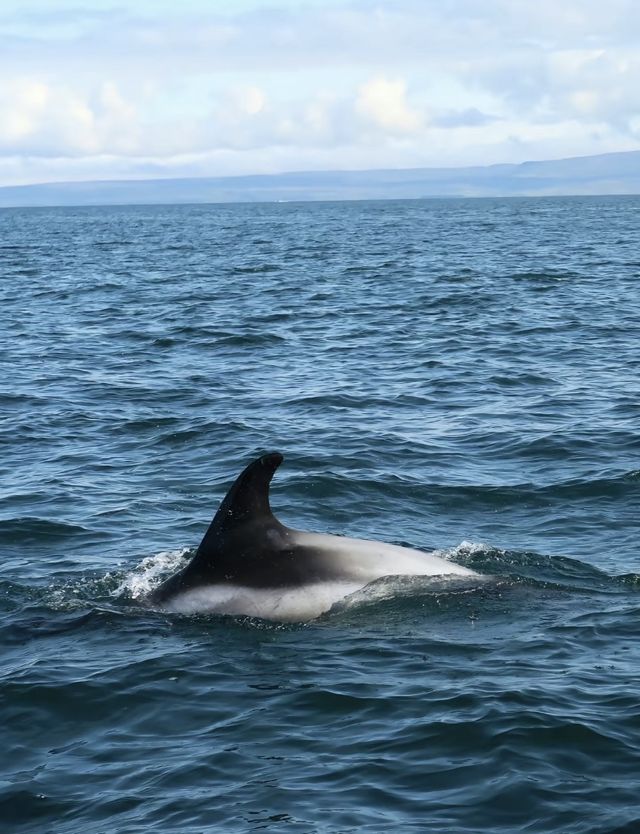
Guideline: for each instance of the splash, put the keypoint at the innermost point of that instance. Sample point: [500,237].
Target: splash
[148,574]
[465,548]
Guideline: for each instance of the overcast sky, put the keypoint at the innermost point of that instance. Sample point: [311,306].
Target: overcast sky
[107,89]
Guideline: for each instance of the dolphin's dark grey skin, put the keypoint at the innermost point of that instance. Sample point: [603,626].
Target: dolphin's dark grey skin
[247,554]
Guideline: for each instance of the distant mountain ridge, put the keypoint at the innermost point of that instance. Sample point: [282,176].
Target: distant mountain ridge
[612,173]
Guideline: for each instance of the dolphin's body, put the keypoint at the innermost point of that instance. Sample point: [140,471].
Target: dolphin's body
[250,563]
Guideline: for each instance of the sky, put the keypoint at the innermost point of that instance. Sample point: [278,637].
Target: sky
[108,89]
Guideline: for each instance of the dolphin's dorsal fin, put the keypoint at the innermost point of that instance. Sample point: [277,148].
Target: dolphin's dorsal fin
[249,496]
[247,500]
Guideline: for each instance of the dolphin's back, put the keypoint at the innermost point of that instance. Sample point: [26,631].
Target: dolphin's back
[348,558]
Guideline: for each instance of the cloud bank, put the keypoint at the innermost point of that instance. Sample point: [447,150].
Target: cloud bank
[219,88]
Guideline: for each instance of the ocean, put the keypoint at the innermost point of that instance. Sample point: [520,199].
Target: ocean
[451,375]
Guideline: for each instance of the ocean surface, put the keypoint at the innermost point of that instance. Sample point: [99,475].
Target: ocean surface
[454,375]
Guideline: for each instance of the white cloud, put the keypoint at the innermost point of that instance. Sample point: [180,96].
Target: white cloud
[251,100]
[53,120]
[383,101]
[22,103]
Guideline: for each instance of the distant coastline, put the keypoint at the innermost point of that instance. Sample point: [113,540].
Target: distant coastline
[604,174]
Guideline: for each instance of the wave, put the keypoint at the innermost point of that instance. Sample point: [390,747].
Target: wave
[31,528]
[378,483]
[615,486]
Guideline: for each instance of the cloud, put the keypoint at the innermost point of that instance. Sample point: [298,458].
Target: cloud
[53,120]
[383,101]
[399,83]
[251,100]
[597,85]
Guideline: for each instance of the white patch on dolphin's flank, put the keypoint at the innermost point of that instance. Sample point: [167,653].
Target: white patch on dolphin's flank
[293,605]
[308,602]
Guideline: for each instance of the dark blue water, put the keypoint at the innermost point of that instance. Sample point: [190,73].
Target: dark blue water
[460,375]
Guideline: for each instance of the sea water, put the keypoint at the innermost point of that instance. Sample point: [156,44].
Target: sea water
[459,375]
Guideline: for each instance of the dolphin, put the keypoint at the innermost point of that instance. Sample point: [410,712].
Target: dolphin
[250,563]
